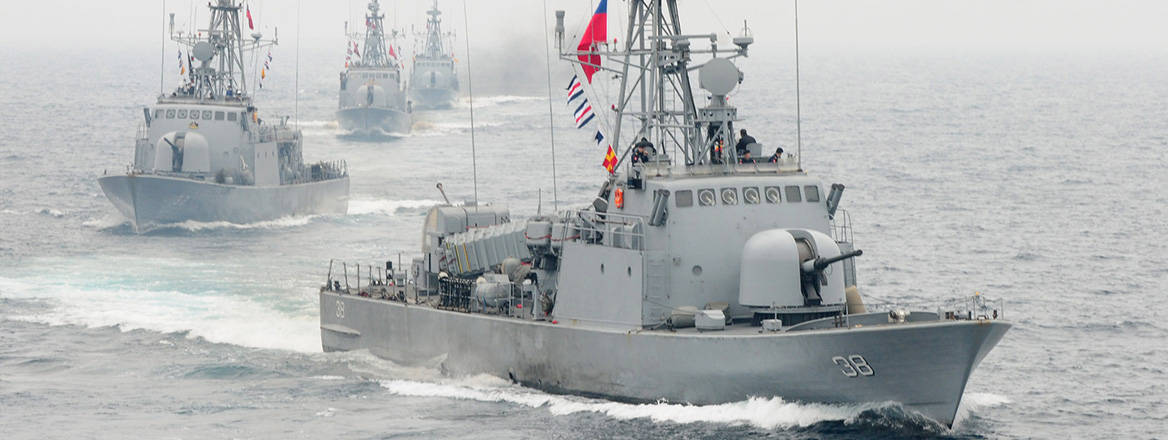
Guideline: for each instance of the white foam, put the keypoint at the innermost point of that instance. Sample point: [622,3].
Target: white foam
[974,402]
[210,315]
[766,413]
[280,223]
[483,101]
[383,206]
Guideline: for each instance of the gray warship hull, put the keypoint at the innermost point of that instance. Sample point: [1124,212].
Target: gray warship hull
[924,366]
[152,200]
[434,98]
[373,121]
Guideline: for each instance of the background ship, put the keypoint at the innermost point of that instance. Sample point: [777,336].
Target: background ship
[372,93]
[205,154]
[433,80]
[697,275]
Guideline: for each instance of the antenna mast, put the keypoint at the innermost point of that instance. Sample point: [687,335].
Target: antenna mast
[470,91]
[551,118]
[798,106]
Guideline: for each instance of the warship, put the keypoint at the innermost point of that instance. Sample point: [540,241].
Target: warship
[372,97]
[205,154]
[696,275]
[433,80]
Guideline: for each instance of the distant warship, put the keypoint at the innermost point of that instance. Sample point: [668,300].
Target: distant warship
[205,154]
[372,96]
[697,275]
[433,81]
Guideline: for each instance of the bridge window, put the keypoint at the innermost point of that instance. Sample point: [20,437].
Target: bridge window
[218,116]
[182,114]
[750,195]
[170,114]
[231,116]
[684,198]
[773,195]
[158,114]
[706,197]
[793,194]
[812,192]
[729,196]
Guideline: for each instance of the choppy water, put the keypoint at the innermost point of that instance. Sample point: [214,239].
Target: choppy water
[1039,179]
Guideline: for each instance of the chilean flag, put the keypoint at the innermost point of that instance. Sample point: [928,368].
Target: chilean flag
[597,32]
[250,25]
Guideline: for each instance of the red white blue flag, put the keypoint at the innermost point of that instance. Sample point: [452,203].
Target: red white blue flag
[596,33]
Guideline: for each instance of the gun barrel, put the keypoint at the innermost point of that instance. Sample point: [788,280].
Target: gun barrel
[821,263]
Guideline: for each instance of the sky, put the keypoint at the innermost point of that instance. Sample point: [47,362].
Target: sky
[826,25]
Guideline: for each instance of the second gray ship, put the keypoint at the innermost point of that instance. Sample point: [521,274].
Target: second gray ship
[372,92]
[697,275]
[205,154]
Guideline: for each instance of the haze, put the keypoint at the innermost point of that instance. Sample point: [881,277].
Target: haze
[993,25]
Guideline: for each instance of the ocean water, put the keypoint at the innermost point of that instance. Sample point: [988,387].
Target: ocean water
[1041,179]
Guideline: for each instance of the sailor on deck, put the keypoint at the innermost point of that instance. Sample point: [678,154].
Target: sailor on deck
[643,150]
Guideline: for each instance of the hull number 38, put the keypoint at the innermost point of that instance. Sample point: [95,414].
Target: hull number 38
[853,365]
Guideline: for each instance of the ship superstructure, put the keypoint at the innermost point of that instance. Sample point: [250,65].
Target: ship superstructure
[698,274]
[433,81]
[205,152]
[372,89]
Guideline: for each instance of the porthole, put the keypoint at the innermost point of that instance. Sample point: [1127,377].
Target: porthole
[750,195]
[182,114]
[706,197]
[170,114]
[194,114]
[773,195]
[697,270]
[729,196]
[207,114]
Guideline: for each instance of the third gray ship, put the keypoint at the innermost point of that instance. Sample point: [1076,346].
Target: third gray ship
[433,81]
[696,275]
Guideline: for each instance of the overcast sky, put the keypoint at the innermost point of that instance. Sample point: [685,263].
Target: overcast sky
[1028,25]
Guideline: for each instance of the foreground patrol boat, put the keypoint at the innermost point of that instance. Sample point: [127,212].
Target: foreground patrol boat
[433,80]
[204,153]
[695,275]
[372,93]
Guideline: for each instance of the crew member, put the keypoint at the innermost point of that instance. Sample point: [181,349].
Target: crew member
[745,157]
[744,141]
[642,150]
[775,158]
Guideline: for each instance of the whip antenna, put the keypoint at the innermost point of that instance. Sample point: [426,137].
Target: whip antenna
[798,115]
[296,83]
[470,91]
[551,119]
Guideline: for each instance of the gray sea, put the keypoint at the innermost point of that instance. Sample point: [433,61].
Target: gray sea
[1039,178]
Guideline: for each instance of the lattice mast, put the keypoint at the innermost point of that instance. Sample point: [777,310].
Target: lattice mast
[219,49]
[653,65]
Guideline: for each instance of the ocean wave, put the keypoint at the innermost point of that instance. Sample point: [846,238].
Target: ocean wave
[766,413]
[483,101]
[209,315]
[388,207]
[197,226]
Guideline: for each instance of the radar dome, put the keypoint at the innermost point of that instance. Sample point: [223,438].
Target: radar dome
[719,76]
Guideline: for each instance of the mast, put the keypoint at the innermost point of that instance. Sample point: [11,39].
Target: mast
[433,33]
[376,53]
[654,64]
[219,49]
